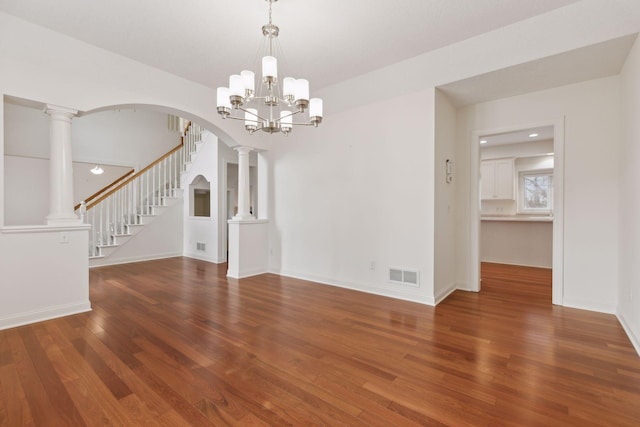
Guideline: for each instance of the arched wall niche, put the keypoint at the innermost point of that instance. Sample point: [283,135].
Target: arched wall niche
[200,197]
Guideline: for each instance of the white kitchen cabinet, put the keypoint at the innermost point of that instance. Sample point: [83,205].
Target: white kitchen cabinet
[497,181]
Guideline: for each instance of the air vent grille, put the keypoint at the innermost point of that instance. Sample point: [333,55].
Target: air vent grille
[404,276]
[200,246]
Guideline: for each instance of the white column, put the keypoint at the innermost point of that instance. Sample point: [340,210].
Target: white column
[243,184]
[60,166]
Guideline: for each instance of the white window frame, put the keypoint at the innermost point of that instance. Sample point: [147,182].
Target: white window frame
[521,209]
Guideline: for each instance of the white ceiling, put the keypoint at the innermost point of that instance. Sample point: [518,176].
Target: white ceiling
[326,41]
[591,62]
[542,134]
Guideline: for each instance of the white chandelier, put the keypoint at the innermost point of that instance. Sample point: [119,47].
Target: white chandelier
[275,105]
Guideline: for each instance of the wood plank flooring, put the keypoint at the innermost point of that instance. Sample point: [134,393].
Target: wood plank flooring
[175,343]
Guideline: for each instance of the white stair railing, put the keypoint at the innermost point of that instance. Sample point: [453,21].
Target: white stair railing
[123,207]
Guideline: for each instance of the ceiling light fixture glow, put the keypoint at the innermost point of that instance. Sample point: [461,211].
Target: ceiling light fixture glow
[97,170]
[533,135]
[483,141]
[274,106]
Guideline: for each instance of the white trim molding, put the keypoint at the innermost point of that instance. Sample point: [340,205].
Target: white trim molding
[44,314]
[558,204]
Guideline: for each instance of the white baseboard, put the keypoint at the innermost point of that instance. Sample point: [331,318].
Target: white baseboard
[589,305]
[44,314]
[632,337]
[237,274]
[213,260]
[360,287]
[442,295]
[107,261]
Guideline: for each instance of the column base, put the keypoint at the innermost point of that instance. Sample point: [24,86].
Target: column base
[245,217]
[248,248]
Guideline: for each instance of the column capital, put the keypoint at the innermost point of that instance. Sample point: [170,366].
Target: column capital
[58,110]
[241,149]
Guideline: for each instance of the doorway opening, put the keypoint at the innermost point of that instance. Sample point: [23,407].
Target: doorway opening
[517,200]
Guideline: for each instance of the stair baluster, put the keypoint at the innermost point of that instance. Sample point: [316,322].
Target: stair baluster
[115,214]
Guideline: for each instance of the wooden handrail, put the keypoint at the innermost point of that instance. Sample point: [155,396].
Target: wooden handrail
[103,189]
[137,174]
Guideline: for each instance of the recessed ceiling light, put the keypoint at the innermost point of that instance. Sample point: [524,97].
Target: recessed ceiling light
[533,135]
[483,141]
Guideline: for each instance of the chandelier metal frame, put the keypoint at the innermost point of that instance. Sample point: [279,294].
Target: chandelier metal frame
[275,110]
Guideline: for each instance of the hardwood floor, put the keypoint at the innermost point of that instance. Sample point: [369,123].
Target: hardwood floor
[173,342]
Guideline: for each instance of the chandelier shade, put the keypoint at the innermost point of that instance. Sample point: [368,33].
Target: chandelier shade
[277,105]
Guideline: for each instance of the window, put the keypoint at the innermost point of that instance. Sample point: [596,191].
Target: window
[535,192]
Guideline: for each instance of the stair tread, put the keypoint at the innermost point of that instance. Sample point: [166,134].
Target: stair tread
[165,195]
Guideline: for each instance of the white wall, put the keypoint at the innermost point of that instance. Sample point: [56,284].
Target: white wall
[517,243]
[444,243]
[162,237]
[353,192]
[371,173]
[629,225]
[27,187]
[26,190]
[592,133]
[124,137]
[46,67]
[133,138]
[38,282]
[86,183]
[199,229]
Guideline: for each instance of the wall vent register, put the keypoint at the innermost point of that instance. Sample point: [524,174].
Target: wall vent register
[403,276]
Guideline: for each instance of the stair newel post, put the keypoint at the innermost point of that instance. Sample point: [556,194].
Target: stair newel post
[83,212]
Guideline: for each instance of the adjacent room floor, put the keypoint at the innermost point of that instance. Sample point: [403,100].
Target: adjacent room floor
[174,342]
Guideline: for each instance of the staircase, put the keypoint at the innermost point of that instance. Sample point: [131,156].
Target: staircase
[122,210]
